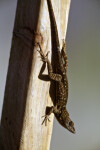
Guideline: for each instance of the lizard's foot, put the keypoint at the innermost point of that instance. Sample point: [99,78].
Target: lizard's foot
[44,58]
[46,118]
[49,110]
[64,44]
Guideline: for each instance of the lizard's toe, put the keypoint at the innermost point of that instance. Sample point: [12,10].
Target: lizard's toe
[46,118]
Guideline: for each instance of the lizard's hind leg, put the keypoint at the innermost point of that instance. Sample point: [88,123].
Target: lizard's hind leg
[49,110]
[53,76]
[64,55]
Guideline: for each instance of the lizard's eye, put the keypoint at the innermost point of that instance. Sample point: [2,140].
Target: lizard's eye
[70,123]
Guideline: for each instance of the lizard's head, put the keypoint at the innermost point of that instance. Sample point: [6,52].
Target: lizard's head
[69,124]
[65,121]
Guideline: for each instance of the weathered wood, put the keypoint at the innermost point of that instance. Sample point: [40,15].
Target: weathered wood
[26,96]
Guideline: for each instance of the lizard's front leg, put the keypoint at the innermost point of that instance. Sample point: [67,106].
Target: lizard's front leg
[53,76]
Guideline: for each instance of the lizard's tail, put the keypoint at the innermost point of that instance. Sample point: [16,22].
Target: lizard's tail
[53,22]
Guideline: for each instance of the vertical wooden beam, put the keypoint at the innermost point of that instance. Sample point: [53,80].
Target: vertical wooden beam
[26,96]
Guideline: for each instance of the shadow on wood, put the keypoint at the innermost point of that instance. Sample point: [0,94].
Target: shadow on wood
[19,69]
[1,139]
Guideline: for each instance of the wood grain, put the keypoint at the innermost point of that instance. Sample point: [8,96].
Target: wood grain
[26,96]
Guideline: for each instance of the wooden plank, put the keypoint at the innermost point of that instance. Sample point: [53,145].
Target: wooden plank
[26,96]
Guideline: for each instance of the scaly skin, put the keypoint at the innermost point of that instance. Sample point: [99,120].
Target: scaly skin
[59,76]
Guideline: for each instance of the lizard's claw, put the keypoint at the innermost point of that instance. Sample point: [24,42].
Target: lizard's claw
[44,58]
[46,118]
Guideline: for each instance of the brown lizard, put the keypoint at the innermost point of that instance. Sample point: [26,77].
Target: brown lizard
[58,75]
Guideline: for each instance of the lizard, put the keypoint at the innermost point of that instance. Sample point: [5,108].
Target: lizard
[59,76]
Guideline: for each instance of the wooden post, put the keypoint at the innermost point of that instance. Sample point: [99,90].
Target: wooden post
[26,96]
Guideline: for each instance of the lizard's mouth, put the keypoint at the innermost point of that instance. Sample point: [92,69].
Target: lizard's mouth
[71,129]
